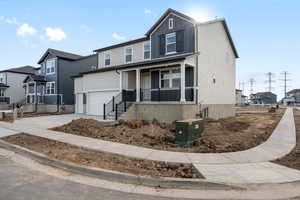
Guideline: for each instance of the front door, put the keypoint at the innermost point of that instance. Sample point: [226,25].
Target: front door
[145,87]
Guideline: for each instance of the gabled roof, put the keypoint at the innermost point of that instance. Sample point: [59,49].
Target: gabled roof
[170,10]
[36,78]
[264,94]
[294,91]
[60,54]
[22,70]
[2,85]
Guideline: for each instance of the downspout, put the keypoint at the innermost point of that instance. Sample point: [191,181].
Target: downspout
[197,63]
[57,85]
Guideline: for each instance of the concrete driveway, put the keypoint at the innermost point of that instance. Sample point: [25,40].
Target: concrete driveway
[50,121]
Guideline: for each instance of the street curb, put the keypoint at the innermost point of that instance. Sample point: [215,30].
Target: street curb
[117,176]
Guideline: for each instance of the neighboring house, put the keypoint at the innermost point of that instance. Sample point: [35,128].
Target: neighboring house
[178,69]
[292,97]
[11,84]
[240,99]
[53,86]
[263,98]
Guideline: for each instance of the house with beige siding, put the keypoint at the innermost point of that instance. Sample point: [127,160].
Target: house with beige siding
[178,70]
[11,84]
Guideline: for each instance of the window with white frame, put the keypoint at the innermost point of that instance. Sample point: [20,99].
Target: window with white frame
[147,50]
[50,88]
[171,23]
[2,93]
[2,78]
[170,78]
[128,54]
[171,43]
[50,66]
[107,59]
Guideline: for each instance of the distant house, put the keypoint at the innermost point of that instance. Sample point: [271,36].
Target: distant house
[11,84]
[240,98]
[263,98]
[292,97]
[53,86]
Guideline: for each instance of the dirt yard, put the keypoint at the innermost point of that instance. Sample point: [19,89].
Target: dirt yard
[292,160]
[225,135]
[68,153]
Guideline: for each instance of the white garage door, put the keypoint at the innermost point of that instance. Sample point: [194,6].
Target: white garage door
[79,103]
[97,99]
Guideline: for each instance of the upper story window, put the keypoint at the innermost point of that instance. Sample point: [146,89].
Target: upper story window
[171,23]
[107,59]
[50,88]
[2,78]
[147,50]
[128,54]
[2,93]
[50,66]
[171,43]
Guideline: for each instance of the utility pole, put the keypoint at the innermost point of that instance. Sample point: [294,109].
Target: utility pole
[285,80]
[242,86]
[252,81]
[270,80]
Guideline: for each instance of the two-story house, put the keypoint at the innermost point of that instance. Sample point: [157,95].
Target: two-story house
[53,86]
[11,82]
[180,67]
[264,98]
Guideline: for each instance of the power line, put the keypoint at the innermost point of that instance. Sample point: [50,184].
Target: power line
[285,80]
[270,80]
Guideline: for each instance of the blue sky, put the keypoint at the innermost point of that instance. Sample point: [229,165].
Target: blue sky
[266,33]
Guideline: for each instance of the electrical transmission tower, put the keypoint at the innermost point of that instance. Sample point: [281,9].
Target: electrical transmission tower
[285,79]
[252,81]
[270,80]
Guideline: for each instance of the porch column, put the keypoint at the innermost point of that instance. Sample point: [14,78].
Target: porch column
[121,81]
[35,92]
[138,84]
[182,78]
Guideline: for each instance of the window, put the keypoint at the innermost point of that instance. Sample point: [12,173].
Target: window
[50,88]
[2,78]
[170,78]
[171,23]
[171,43]
[106,59]
[128,54]
[147,50]
[1,92]
[50,66]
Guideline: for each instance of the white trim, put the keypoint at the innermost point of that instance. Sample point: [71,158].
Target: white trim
[131,46]
[171,23]
[55,61]
[167,17]
[166,44]
[50,83]
[103,90]
[106,53]
[149,50]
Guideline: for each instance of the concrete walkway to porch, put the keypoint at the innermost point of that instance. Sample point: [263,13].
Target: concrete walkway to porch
[227,167]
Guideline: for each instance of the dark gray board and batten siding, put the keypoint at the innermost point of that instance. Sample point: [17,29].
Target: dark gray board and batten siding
[185,37]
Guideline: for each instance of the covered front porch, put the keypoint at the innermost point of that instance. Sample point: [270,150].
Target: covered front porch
[159,83]
[4,99]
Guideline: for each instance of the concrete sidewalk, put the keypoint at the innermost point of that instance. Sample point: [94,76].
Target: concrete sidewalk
[219,167]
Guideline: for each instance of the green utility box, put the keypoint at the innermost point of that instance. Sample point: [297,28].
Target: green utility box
[188,131]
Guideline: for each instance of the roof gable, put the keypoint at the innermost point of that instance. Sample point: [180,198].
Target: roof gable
[59,54]
[165,16]
[22,70]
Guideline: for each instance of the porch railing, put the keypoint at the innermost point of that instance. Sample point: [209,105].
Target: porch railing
[166,94]
[4,100]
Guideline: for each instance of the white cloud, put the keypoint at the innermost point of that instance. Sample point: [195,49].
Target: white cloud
[147,11]
[1,17]
[85,28]
[26,30]
[11,21]
[200,13]
[55,34]
[118,37]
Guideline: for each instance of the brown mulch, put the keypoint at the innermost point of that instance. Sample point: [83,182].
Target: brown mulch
[72,154]
[225,135]
[292,160]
